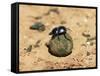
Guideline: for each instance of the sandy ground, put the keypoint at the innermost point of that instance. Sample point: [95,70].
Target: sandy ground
[78,20]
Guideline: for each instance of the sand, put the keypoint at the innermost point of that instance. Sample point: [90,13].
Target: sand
[78,20]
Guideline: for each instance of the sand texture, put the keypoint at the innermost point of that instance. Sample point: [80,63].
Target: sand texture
[33,53]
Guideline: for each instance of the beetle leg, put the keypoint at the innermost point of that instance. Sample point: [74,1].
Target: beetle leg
[53,36]
[65,36]
[58,38]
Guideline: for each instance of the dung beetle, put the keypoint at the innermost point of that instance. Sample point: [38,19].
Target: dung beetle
[61,30]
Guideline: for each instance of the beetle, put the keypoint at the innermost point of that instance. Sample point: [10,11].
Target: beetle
[61,30]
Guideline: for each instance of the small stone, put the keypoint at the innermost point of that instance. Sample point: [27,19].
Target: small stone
[88,43]
[85,34]
[37,44]
[55,10]
[38,26]
[39,17]
[29,48]
[88,53]
[63,22]
[91,43]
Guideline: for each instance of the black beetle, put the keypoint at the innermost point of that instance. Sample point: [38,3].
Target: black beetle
[61,30]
